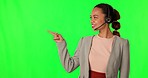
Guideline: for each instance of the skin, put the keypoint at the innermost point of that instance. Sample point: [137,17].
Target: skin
[57,37]
[97,19]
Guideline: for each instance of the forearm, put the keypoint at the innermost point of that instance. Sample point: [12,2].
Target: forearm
[69,63]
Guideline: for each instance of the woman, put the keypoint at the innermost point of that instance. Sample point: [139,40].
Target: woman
[101,55]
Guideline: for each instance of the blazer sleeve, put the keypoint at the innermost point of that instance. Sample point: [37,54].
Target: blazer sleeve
[125,63]
[69,63]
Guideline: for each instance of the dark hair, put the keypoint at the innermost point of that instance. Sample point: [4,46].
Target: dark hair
[113,14]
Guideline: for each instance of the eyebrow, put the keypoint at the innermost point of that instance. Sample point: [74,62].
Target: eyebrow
[94,15]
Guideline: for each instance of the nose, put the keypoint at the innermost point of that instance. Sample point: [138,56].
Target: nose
[92,21]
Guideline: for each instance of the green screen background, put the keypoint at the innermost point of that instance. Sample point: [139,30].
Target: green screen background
[27,50]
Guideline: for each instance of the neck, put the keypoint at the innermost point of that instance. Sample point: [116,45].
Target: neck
[105,32]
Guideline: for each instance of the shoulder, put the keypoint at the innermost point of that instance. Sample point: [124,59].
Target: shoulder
[86,38]
[121,40]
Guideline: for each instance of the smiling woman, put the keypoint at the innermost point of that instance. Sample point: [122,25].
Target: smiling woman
[102,55]
[28,51]
[110,15]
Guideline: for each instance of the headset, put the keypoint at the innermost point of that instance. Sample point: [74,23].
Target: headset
[107,18]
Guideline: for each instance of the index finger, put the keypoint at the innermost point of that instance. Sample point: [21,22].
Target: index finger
[51,32]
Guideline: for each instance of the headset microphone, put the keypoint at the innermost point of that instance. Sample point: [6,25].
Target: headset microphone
[100,26]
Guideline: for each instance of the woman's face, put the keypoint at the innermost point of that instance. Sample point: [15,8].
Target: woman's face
[97,18]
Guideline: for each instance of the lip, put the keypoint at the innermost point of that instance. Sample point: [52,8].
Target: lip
[93,26]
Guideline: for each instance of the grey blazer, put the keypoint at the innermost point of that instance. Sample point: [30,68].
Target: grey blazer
[119,58]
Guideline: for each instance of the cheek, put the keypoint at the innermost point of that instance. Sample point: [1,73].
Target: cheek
[100,21]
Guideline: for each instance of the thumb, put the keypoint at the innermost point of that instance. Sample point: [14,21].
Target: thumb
[60,36]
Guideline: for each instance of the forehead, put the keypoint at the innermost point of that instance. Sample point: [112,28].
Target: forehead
[97,11]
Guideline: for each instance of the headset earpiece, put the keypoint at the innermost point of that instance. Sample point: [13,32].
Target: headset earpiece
[108,18]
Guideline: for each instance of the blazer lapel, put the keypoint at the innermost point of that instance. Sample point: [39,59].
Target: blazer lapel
[111,60]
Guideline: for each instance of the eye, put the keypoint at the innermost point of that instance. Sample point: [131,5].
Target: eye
[95,17]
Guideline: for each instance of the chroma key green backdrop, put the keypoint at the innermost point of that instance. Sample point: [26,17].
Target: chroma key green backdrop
[27,50]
